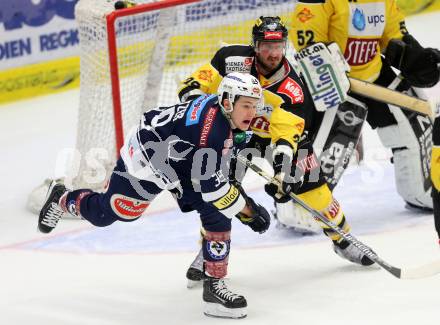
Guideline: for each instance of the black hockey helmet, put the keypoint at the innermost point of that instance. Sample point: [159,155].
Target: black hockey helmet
[269,29]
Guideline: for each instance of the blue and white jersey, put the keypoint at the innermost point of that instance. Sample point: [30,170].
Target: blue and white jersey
[187,147]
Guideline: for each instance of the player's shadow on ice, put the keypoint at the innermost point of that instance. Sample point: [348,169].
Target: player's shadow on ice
[355,268]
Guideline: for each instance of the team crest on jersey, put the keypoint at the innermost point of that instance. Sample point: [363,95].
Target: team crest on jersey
[291,89]
[205,75]
[305,15]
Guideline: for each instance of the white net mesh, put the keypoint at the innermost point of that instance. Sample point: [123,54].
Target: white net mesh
[155,50]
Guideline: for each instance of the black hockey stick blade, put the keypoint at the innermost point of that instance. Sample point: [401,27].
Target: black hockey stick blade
[423,271]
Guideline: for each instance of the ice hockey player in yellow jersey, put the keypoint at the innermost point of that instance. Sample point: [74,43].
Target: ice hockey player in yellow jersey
[373,37]
[435,173]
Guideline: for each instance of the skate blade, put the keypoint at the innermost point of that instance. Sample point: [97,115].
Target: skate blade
[218,311]
[192,284]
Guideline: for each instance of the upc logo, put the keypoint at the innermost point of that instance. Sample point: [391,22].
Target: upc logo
[359,19]
[367,19]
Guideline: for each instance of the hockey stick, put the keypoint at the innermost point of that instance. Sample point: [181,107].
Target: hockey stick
[389,96]
[413,273]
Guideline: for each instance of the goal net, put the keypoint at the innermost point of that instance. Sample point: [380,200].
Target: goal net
[132,59]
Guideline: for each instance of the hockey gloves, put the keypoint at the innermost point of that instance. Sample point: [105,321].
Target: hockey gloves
[282,165]
[259,221]
[276,192]
[418,65]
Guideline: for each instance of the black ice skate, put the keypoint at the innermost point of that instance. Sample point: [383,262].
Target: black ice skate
[220,302]
[51,211]
[418,208]
[195,272]
[349,252]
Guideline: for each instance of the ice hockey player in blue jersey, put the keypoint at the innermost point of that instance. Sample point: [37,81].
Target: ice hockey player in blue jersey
[186,149]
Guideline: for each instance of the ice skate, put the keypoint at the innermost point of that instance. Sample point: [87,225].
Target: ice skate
[219,301]
[195,273]
[51,212]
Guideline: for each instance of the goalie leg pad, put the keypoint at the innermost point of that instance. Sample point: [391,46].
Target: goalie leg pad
[337,138]
[411,141]
[436,201]
[321,199]
[335,144]
[435,167]
[435,158]
[293,215]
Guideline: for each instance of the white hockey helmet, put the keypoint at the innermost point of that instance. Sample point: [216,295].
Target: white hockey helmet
[238,84]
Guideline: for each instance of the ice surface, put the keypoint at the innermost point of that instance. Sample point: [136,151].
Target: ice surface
[135,273]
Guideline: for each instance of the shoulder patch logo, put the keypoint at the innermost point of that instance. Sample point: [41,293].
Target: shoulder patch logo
[305,15]
[195,110]
[290,88]
[205,75]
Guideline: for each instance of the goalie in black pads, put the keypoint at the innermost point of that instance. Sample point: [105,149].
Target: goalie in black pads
[186,149]
[372,36]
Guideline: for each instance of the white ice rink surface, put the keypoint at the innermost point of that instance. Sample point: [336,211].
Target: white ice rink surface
[135,273]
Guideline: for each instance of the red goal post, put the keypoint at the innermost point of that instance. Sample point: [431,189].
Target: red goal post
[113,52]
[133,59]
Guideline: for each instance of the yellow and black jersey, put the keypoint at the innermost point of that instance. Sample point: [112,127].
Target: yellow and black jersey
[361,28]
[288,108]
